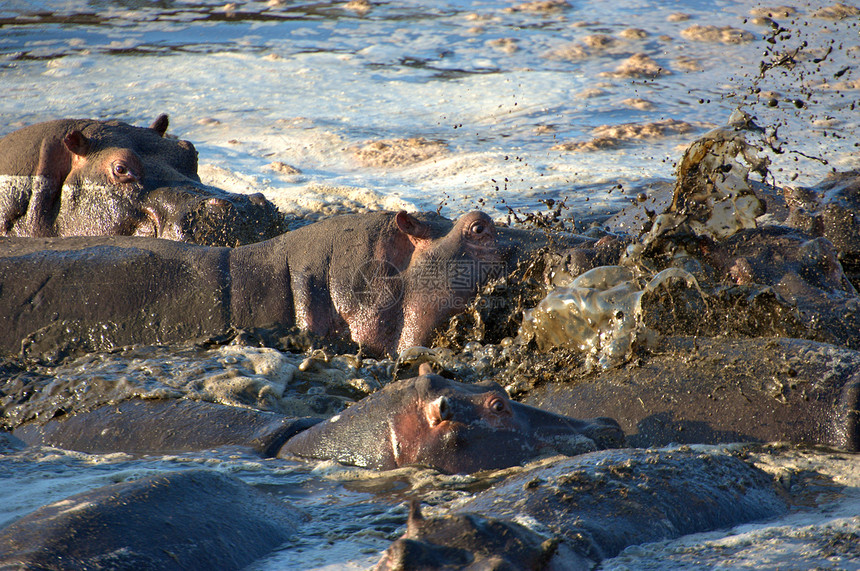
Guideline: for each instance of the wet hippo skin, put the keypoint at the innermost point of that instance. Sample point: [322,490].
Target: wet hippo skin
[385,280]
[190,519]
[589,508]
[699,390]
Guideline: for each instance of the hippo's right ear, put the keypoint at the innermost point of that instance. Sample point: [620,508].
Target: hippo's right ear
[55,157]
[160,124]
[76,143]
[410,225]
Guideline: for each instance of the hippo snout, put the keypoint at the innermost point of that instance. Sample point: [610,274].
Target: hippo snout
[202,215]
[605,431]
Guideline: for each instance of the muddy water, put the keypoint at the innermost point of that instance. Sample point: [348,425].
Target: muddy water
[330,107]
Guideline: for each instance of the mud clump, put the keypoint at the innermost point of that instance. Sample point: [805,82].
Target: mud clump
[596,144]
[283,168]
[653,130]
[506,45]
[838,11]
[568,52]
[724,34]
[388,153]
[616,136]
[773,12]
[636,66]
[540,6]
[638,103]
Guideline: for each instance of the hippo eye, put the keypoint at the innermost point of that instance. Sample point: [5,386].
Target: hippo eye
[478,228]
[498,405]
[122,172]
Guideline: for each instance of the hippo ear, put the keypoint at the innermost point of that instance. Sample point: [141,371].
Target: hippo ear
[416,519]
[160,124]
[76,143]
[55,160]
[410,225]
[425,369]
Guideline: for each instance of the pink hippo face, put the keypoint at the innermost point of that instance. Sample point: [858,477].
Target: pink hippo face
[451,426]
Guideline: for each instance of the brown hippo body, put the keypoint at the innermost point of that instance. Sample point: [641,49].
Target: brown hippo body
[591,506]
[698,389]
[384,280]
[184,519]
[82,177]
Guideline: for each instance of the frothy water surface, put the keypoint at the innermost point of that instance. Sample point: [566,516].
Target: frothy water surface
[489,104]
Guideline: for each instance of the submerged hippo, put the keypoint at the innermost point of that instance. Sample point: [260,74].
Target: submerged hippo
[82,177]
[697,389]
[590,507]
[450,426]
[427,420]
[383,279]
[190,519]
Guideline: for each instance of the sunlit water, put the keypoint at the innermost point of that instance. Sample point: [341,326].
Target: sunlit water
[326,107]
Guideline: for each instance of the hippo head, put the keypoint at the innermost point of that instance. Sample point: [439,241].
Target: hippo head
[445,273]
[473,541]
[451,426]
[106,169]
[839,199]
[110,178]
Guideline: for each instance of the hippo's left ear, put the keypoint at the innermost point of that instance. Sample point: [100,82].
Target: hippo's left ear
[160,124]
[410,225]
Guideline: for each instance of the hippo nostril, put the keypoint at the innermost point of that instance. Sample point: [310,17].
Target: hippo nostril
[150,225]
[257,198]
[217,204]
[445,412]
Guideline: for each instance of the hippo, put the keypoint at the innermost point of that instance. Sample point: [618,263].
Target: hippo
[706,390]
[451,426]
[428,420]
[187,519]
[829,209]
[591,507]
[83,177]
[473,541]
[385,280]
